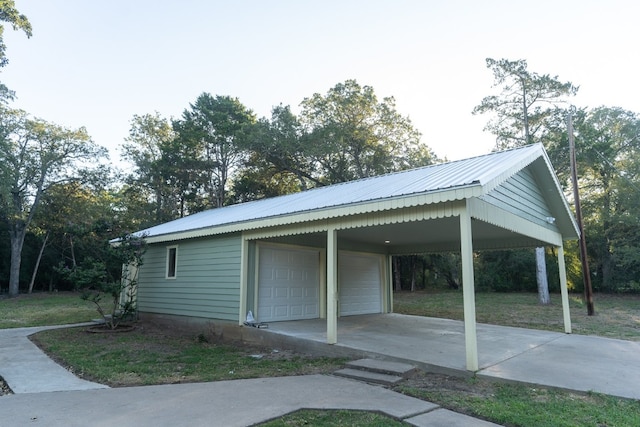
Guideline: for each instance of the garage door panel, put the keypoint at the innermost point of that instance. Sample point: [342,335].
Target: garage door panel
[288,285]
[280,311]
[360,284]
[280,274]
[281,293]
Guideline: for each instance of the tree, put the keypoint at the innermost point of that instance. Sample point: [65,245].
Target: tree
[149,137]
[215,128]
[78,220]
[34,155]
[527,103]
[97,280]
[278,148]
[351,135]
[9,14]
[609,148]
[524,113]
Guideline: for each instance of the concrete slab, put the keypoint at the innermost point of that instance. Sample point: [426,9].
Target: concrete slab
[368,376]
[445,418]
[556,359]
[224,403]
[576,362]
[383,366]
[434,344]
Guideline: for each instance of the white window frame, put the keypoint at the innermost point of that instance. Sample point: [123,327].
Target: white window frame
[168,269]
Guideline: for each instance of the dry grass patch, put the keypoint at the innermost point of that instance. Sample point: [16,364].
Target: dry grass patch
[617,316]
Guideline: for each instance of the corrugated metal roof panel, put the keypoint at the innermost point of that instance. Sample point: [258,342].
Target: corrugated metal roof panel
[462,173]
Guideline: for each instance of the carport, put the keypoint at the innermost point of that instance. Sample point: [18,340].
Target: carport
[509,199]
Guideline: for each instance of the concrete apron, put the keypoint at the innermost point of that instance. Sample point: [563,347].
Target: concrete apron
[554,359]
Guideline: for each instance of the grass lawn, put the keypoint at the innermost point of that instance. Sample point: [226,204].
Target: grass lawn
[617,316]
[520,405]
[153,355]
[150,355]
[319,418]
[41,309]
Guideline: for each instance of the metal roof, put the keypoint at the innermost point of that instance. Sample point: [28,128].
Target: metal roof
[486,171]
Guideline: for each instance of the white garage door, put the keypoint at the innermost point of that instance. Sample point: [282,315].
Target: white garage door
[360,284]
[288,284]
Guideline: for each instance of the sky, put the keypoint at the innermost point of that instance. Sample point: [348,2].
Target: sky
[98,63]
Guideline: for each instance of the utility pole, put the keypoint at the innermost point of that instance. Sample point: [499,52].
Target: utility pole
[586,276]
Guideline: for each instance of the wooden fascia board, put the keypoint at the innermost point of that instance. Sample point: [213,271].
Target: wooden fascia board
[491,214]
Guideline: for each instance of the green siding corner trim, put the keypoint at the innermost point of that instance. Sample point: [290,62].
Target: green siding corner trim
[207,282]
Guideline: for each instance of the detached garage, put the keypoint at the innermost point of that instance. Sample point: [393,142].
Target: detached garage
[325,253]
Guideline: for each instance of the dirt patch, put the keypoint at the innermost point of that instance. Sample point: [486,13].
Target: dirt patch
[103,329]
[159,334]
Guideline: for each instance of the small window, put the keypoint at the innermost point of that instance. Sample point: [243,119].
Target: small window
[172,261]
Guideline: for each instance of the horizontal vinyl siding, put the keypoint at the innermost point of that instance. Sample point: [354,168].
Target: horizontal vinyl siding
[521,196]
[207,282]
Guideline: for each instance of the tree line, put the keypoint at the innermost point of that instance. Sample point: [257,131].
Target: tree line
[60,205]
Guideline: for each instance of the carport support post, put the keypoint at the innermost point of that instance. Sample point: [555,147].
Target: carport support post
[332,286]
[468,290]
[563,290]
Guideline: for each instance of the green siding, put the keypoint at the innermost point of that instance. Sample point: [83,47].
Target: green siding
[521,196]
[207,282]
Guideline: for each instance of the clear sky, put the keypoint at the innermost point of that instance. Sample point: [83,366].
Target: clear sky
[96,63]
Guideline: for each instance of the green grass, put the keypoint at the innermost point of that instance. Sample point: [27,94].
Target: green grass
[617,316]
[149,356]
[45,309]
[520,405]
[338,418]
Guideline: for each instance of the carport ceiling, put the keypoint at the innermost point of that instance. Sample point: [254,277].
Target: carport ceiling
[434,235]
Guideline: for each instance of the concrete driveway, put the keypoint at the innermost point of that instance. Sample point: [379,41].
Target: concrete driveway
[47,394]
[575,362]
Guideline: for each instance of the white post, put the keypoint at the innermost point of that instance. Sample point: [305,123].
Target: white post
[244,271]
[332,286]
[468,291]
[323,289]
[563,290]
[389,268]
